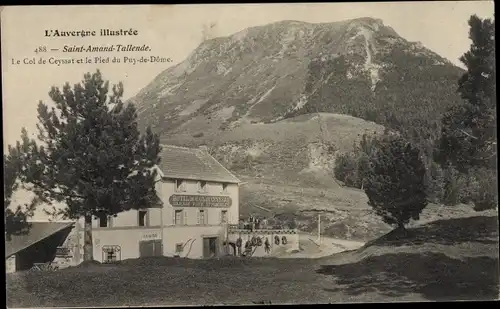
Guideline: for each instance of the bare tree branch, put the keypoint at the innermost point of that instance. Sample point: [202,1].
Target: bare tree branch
[471,136]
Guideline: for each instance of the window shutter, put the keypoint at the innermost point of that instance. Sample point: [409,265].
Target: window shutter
[173,216]
[198,218]
[221,216]
[184,212]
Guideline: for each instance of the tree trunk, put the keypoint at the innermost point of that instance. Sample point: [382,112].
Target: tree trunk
[88,254]
[402,231]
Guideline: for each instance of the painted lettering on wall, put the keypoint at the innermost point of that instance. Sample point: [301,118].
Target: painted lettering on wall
[200,201]
[151,236]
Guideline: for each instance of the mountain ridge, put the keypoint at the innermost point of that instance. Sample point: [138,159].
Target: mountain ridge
[259,74]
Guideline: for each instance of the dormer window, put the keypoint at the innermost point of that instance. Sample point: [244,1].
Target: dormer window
[202,186]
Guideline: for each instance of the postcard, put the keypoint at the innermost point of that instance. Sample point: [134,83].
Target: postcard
[241,154]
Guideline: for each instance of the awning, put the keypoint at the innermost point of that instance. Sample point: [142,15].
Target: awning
[37,232]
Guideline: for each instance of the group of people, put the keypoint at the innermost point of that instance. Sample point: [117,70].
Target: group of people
[250,244]
[253,223]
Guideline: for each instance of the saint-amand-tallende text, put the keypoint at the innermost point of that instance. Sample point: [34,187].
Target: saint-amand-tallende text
[109,48]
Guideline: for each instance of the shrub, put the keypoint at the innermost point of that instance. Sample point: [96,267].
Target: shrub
[484,190]
[346,169]
[395,182]
[435,182]
[351,167]
[454,185]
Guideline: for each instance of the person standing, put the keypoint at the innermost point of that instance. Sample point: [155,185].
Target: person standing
[252,224]
[239,242]
[267,246]
[248,248]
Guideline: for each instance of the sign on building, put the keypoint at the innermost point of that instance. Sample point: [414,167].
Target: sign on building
[177,200]
[151,236]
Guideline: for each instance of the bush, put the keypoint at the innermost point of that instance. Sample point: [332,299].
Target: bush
[484,190]
[435,182]
[346,169]
[396,181]
[455,188]
[351,167]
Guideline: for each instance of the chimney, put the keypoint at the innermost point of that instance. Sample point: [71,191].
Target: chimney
[204,148]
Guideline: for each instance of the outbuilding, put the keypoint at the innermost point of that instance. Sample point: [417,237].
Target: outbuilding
[39,245]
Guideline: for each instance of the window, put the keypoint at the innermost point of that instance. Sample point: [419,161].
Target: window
[223,216]
[202,217]
[178,217]
[142,217]
[202,186]
[103,220]
[110,254]
[179,247]
[224,188]
[180,185]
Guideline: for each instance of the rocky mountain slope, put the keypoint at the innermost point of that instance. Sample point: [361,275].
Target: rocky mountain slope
[264,73]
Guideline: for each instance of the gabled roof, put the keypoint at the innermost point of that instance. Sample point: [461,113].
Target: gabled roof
[193,163]
[37,232]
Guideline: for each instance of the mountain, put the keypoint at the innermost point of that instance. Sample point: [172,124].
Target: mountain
[263,74]
[276,103]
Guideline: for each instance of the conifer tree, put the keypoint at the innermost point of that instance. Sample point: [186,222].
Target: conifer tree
[16,218]
[395,182]
[90,154]
[468,138]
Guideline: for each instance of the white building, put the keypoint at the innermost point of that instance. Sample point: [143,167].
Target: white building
[199,197]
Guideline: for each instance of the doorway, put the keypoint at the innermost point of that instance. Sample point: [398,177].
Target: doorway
[150,248]
[210,247]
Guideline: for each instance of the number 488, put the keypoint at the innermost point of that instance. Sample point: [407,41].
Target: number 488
[41,49]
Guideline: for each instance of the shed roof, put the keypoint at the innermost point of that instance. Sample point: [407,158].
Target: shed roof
[37,232]
[193,163]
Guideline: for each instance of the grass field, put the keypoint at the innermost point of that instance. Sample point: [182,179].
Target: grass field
[441,260]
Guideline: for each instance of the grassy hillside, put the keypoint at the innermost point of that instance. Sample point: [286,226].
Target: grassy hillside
[344,212]
[452,259]
[448,259]
[295,151]
[287,166]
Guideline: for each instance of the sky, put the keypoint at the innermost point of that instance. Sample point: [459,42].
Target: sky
[174,31]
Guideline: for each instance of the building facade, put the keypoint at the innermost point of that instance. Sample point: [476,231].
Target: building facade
[199,199]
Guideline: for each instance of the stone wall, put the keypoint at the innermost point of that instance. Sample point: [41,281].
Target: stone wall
[291,238]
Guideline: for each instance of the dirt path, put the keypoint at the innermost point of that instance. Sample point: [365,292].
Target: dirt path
[328,246]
